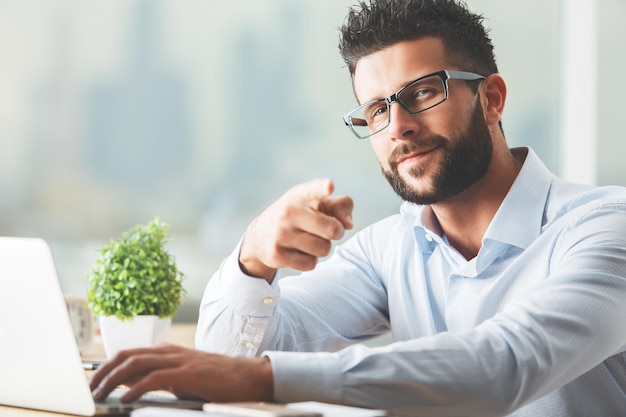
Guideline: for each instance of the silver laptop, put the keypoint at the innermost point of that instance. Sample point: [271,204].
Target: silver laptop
[40,365]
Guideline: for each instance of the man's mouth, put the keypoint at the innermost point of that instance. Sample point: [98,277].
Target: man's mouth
[414,155]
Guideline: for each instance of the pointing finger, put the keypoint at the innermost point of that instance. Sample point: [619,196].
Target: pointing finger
[315,190]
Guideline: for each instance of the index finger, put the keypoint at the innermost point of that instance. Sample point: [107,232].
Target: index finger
[315,190]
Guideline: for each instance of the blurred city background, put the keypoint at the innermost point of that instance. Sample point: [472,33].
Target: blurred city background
[113,112]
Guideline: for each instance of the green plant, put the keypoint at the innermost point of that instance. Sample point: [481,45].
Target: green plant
[135,275]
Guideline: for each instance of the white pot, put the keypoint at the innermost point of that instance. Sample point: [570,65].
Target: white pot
[140,331]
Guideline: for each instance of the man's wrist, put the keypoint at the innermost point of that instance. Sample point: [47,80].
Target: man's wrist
[265,381]
[257,270]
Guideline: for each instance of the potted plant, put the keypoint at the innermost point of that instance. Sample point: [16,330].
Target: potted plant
[135,288]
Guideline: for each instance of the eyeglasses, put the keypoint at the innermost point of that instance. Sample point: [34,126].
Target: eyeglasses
[417,96]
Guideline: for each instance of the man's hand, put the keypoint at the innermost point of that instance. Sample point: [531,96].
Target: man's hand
[295,230]
[187,373]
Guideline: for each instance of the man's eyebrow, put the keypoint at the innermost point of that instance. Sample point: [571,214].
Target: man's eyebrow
[394,91]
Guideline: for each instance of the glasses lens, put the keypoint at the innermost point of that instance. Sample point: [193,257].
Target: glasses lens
[369,118]
[423,94]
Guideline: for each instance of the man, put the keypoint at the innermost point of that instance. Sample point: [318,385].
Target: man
[503,287]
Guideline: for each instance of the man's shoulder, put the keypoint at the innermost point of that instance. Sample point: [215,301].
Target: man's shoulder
[570,198]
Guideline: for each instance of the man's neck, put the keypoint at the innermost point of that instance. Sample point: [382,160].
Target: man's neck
[464,218]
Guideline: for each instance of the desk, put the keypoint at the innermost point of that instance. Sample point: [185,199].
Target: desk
[180,334]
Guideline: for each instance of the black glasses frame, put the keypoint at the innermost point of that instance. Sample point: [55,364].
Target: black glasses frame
[445,75]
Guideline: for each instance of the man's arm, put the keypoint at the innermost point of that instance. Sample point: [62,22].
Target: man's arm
[555,334]
[292,232]
[242,316]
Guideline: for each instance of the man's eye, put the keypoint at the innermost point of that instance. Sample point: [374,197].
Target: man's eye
[423,93]
[380,110]
[376,112]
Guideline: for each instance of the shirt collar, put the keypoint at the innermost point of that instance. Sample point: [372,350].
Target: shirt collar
[519,219]
[426,228]
[525,200]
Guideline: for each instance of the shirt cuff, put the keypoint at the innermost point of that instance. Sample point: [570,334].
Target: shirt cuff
[248,295]
[300,376]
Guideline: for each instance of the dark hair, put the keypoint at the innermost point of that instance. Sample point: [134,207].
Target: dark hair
[381,23]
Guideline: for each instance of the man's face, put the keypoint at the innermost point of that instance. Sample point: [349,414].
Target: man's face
[430,156]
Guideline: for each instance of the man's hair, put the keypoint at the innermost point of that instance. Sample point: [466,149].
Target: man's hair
[381,23]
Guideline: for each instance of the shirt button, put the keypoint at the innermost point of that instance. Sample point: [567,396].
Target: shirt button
[429,238]
[268,300]
[250,344]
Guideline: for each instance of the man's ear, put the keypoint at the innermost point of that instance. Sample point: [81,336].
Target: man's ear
[494,97]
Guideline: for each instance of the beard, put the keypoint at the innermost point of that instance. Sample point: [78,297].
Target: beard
[466,160]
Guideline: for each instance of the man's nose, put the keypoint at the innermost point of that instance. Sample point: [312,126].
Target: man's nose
[402,124]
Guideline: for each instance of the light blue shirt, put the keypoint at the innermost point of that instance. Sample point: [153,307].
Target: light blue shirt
[535,325]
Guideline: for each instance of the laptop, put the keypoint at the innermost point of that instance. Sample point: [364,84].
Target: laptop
[40,364]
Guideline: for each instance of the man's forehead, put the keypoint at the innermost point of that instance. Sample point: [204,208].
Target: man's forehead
[384,72]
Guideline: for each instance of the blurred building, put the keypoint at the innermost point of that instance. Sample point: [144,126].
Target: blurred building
[112,112]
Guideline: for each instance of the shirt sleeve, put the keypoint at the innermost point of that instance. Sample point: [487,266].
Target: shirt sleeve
[568,324]
[243,316]
[235,310]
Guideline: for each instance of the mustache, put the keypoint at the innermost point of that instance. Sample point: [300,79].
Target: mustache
[410,147]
